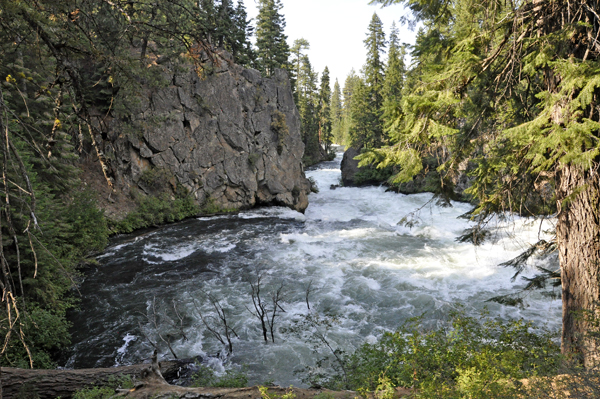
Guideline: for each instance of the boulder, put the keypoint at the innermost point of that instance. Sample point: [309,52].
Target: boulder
[349,166]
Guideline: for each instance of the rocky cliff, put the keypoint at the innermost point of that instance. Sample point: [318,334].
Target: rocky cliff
[228,136]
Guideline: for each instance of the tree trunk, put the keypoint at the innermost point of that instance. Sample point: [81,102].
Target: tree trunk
[578,235]
[64,383]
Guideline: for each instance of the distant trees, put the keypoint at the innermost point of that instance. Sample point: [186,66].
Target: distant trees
[337,114]
[367,97]
[313,100]
[324,111]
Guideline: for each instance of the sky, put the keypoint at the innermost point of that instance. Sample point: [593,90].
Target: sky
[335,30]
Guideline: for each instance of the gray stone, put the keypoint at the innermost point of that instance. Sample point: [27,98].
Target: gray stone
[213,134]
[349,166]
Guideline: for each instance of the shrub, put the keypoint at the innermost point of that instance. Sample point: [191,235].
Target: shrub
[206,377]
[467,357]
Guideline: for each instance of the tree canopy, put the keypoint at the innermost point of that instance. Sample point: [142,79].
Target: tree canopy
[513,88]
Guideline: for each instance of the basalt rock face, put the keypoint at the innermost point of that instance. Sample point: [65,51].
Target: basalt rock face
[228,135]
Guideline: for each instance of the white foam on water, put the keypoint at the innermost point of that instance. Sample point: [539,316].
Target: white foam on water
[128,338]
[174,253]
[276,212]
[366,269]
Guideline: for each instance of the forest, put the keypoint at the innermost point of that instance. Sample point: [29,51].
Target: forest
[506,93]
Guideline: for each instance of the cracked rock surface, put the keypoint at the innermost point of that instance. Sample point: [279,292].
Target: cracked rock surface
[217,135]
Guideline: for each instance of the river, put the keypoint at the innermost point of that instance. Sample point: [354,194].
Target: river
[367,272]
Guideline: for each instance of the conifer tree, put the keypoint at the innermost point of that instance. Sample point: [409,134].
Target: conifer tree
[366,128]
[308,103]
[336,114]
[300,45]
[348,91]
[364,125]
[374,69]
[324,111]
[272,49]
[516,90]
[394,80]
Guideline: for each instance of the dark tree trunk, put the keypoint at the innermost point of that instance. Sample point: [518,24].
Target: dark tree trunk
[578,235]
[64,383]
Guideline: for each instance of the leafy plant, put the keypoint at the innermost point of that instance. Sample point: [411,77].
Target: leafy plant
[106,391]
[264,393]
[466,357]
[206,377]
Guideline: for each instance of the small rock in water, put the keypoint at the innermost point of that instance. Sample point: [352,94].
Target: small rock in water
[334,186]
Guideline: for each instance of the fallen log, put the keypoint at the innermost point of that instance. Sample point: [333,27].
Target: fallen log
[50,384]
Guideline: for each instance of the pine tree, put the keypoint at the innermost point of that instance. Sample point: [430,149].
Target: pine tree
[324,111]
[515,90]
[308,106]
[394,80]
[348,91]
[366,128]
[364,125]
[336,114]
[299,46]
[273,51]
[374,69]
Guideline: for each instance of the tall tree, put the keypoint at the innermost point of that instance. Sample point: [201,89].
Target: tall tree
[374,69]
[394,79]
[366,128]
[336,114]
[273,51]
[515,87]
[308,102]
[297,52]
[324,111]
[349,85]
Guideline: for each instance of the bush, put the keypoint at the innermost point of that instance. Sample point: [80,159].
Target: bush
[154,211]
[206,377]
[106,391]
[465,358]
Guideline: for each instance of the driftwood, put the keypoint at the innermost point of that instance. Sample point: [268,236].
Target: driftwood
[51,384]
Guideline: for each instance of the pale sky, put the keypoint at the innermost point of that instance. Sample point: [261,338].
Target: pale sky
[335,30]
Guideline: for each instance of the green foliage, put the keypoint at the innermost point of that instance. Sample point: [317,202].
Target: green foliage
[272,49]
[324,111]
[264,393]
[105,391]
[156,210]
[297,56]
[314,187]
[465,357]
[206,377]
[253,157]
[210,207]
[372,175]
[336,114]
[365,108]
[279,125]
